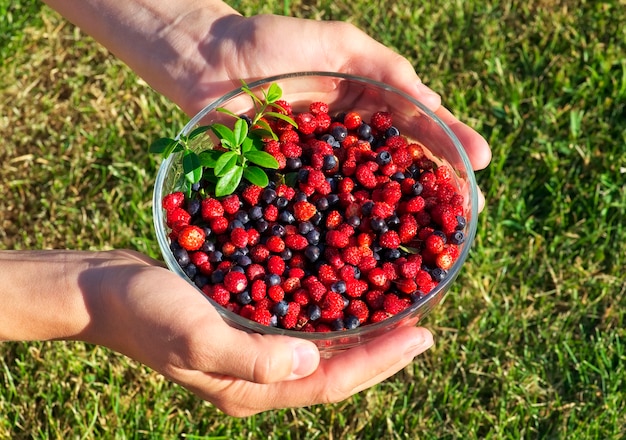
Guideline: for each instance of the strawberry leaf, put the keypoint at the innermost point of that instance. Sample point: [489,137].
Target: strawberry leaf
[256,176]
[192,167]
[224,133]
[273,94]
[198,131]
[208,158]
[161,145]
[240,132]
[261,158]
[228,183]
[225,163]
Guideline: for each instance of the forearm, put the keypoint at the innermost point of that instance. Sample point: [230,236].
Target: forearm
[161,41]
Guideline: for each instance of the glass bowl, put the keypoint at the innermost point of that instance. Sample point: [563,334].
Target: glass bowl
[342,93]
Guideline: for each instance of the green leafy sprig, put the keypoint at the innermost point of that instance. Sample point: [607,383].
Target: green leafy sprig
[239,154]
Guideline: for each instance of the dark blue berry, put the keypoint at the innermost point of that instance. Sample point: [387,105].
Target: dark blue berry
[278,230]
[378,224]
[398,176]
[312,252]
[383,157]
[392,254]
[303,175]
[337,325]
[328,138]
[366,208]
[333,199]
[286,217]
[262,225]
[293,163]
[193,206]
[235,224]
[393,221]
[237,269]
[322,204]
[190,270]
[364,131]
[317,218]
[255,213]
[201,280]
[242,216]
[460,222]
[244,261]
[339,286]
[438,274]
[216,257]
[441,234]
[268,195]
[392,131]
[313,236]
[417,189]
[314,311]
[182,256]
[354,221]
[305,227]
[351,322]
[217,276]
[244,298]
[330,162]
[280,308]
[286,254]
[273,280]
[281,203]
[339,132]
[457,237]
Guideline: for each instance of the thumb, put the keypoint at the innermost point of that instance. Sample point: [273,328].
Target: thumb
[265,358]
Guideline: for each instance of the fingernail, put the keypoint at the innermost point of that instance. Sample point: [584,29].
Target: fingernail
[419,345]
[305,360]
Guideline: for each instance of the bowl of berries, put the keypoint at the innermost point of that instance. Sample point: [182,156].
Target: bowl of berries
[318,205]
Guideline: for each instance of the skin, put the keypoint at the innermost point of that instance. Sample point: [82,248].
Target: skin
[194,51]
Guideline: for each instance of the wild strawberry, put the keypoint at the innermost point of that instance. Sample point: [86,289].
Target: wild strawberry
[303,210]
[332,306]
[191,237]
[381,121]
[239,237]
[283,107]
[173,200]
[352,255]
[301,296]
[178,217]
[258,290]
[251,194]
[296,242]
[382,210]
[290,320]
[262,316]
[231,204]
[306,123]
[235,282]
[275,265]
[211,208]
[276,293]
[365,176]
[318,107]
[327,274]
[409,269]
[218,225]
[352,120]
[259,253]
[255,271]
[270,213]
[375,299]
[273,146]
[405,285]
[322,121]
[378,316]
[291,150]
[220,294]
[389,239]
[337,239]
[333,219]
[358,309]
[422,279]
[377,277]
[275,244]
[434,244]
[394,304]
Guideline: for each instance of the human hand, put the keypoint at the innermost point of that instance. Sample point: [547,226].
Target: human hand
[238,48]
[158,319]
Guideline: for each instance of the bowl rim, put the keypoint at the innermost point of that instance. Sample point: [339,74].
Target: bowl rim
[242,323]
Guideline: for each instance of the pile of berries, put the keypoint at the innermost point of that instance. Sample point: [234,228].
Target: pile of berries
[356,224]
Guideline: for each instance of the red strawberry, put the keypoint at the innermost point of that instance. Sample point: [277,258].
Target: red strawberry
[304,210]
[191,237]
[173,200]
[211,208]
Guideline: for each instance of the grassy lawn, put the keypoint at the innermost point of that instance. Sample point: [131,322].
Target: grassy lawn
[529,344]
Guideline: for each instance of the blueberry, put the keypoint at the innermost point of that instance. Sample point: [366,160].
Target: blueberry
[438,274]
[262,225]
[182,256]
[392,254]
[268,195]
[235,224]
[314,311]
[330,162]
[351,322]
[255,213]
[293,163]
[305,227]
[300,197]
[328,138]
[354,221]
[303,175]
[190,270]
[237,269]
[278,230]
[286,217]
[378,224]
[195,187]
[322,204]
[193,207]
[338,286]
[393,221]
[281,202]
[398,176]
[364,131]
[392,131]
[460,222]
[333,199]
[339,132]
[216,257]
[244,261]
[457,237]
[366,208]
[208,246]
[417,189]
[247,119]
[286,254]
[201,280]
[273,280]
[313,236]
[217,276]
[312,252]
[242,216]
[280,308]
[317,218]
[441,234]
[244,298]
[383,157]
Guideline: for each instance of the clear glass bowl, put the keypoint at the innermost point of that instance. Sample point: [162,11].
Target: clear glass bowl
[342,93]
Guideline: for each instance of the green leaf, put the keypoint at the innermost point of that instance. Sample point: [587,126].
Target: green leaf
[283,117]
[223,133]
[249,92]
[262,158]
[161,145]
[256,176]
[225,163]
[192,167]
[274,93]
[198,131]
[240,131]
[264,130]
[225,110]
[208,158]
[228,183]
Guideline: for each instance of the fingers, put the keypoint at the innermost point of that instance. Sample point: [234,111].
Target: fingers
[335,380]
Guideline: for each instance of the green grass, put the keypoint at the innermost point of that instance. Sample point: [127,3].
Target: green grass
[529,344]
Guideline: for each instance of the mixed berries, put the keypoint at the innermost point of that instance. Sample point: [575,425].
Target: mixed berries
[355,225]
